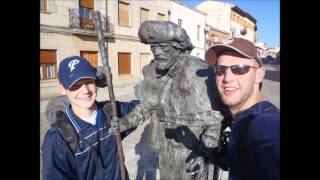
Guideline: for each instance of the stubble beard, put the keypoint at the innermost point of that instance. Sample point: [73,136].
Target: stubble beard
[237,101]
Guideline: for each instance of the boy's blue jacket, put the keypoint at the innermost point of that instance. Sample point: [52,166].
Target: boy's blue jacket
[60,163]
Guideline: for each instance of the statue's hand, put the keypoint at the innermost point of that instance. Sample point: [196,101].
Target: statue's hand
[132,120]
[196,166]
[211,135]
[101,77]
[119,125]
[151,103]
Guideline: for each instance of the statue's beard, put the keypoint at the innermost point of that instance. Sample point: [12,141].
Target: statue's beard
[160,72]
[163,64]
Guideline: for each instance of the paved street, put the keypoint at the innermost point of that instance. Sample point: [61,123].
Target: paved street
[140,161]
[271,85]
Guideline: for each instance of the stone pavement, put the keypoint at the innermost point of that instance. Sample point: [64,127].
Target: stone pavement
[140,161]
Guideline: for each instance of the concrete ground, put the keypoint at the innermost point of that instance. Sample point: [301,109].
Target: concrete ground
[140,161]
[271,85]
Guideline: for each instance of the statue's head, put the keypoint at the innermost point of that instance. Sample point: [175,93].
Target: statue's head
[167,41]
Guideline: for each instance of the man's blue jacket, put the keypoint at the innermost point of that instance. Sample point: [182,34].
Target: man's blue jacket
[262,157]
[59,162]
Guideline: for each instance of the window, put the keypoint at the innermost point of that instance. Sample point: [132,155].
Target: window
[123,14]
[144,15]
[91,56]
[198,32]
[48,64]
[255,37]
[81,11]
[86,13]
[233,32]
[161,17]
[180,22]
[124,63]
[50,71]
[86,9]
[44,5]
[144,60]
[41,76]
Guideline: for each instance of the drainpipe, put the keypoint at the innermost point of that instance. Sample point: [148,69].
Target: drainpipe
[106,8]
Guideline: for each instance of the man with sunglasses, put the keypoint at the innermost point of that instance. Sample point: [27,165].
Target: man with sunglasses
[80,144]
[253,150]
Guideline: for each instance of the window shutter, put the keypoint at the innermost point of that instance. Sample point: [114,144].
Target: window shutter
[124,63]
[91,56]
[123,14]
[87,3]
[144,15]
[48,57]
[161,17]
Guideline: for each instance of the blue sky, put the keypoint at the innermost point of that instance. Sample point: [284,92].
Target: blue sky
[267,14]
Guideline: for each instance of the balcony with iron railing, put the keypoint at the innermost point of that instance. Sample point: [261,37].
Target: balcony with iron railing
[83,22]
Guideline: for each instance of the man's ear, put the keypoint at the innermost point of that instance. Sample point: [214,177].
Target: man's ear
[260,74]
[61,90]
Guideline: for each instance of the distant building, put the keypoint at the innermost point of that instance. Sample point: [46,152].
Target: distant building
[270,55]
[260,45]
[218,21]
[275,49]
[216,36]
[193,21]
[243,25]
[226,21]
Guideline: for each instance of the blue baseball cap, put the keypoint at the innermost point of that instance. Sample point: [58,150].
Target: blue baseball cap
[74,68]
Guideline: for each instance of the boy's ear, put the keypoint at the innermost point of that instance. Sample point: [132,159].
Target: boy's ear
[61,90]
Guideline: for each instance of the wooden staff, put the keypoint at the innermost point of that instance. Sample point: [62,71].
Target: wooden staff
[103,51]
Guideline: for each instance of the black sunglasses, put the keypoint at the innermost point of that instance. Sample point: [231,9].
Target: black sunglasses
[237,69]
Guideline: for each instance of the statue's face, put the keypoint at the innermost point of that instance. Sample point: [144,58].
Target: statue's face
[165,55]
